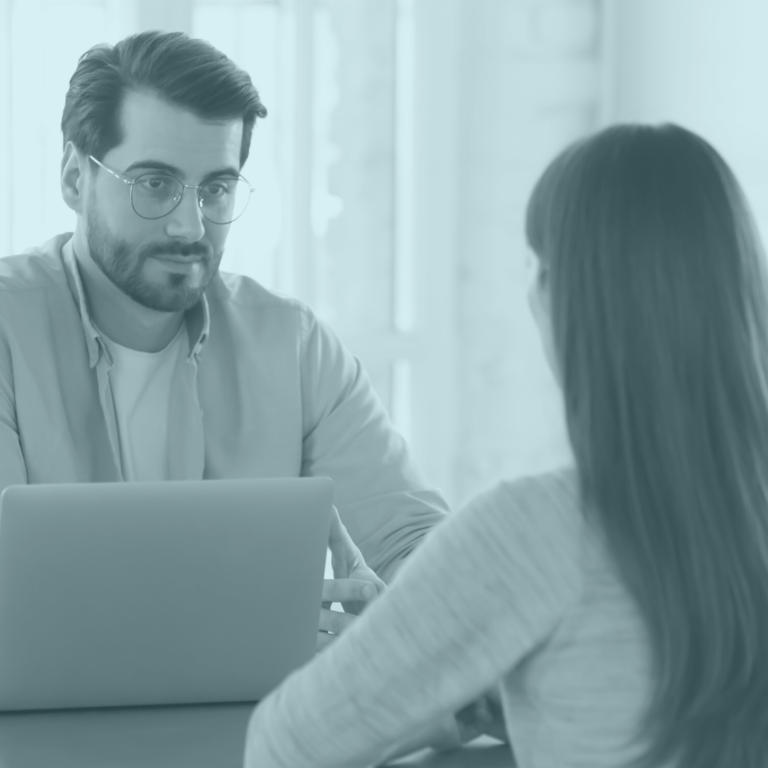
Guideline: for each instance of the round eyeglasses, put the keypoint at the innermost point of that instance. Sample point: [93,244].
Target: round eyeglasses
[156,194]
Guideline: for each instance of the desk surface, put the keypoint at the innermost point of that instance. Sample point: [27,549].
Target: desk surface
[169,737]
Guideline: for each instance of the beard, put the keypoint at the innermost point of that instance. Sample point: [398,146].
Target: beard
[124,266]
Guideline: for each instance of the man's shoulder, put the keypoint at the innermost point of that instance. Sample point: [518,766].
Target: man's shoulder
[246,294]
[37,268]
[244,299]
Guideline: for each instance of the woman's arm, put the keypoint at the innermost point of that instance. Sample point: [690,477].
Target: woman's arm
[484,589]
[483,717]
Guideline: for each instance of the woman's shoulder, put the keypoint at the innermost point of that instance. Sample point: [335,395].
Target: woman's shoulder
[561,485]
[537,517]
[548,496]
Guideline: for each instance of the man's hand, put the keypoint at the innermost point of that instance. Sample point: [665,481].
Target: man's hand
[354,584]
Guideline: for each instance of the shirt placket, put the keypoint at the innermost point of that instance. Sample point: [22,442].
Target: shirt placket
[186,441]
[108,409]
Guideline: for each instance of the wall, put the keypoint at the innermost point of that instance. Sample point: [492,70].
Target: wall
[530,85]
[384,210]
[702,64]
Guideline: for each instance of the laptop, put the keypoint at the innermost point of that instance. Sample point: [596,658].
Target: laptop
[158,593]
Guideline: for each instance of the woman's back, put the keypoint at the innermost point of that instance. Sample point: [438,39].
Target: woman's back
[578,699]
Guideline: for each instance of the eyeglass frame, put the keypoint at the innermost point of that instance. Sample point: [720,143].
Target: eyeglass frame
[131,182]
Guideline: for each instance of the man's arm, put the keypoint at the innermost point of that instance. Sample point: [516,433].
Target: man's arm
[383,500]
[13,470]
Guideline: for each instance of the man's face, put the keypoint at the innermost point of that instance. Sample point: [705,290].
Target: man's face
[135,253]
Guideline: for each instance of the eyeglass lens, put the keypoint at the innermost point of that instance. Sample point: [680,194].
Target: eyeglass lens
[222,200]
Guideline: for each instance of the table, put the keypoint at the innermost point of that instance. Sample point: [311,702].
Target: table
[205,736]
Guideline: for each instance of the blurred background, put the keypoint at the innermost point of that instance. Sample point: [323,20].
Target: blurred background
[392,172]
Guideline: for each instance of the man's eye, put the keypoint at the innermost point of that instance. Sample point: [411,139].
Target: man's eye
[156,183]
[216,188]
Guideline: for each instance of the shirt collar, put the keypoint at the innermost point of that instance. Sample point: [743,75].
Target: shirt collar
[197,319]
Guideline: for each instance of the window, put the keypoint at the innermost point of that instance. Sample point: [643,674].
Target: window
[34,77]
[249,34]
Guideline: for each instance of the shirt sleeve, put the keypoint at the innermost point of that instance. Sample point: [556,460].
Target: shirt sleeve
[382,498]
[478,596]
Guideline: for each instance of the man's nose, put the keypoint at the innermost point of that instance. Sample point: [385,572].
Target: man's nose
[186,219]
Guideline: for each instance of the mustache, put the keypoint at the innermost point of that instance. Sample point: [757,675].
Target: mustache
[179,249]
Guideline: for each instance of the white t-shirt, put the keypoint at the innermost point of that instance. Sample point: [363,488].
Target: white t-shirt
[141,389]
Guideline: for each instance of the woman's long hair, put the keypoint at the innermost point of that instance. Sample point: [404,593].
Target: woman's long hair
[660,325]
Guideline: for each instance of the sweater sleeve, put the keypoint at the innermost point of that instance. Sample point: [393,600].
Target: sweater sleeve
[383,500]
[13,470]
[484,589]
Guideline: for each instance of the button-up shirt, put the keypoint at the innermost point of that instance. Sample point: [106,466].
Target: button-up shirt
[267,390]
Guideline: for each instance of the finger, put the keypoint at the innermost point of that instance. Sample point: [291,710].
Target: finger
[348,590]
[344,552]
[355,607]
[336,536]
[334,621]
[364,573]
[337,527]
[342,562]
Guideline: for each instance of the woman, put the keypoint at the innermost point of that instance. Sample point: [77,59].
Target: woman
[622,606]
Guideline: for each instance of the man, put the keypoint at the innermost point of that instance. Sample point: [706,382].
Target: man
[126,355]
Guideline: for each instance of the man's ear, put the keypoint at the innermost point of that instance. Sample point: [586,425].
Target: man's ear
[73,177]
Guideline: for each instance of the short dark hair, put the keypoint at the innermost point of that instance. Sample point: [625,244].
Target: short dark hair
[181,70]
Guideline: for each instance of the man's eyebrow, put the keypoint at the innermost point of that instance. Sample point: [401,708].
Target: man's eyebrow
[157,165]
